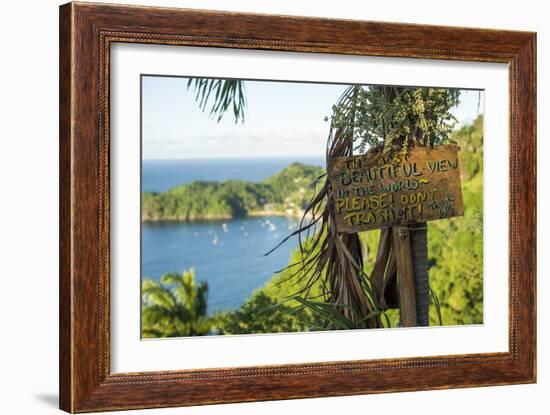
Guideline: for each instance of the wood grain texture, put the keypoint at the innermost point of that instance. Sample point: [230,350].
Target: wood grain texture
[86,33]
[371,191]
[65,245]
[405,276]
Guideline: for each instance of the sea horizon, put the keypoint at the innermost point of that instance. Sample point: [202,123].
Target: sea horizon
[299,156]
[160,175]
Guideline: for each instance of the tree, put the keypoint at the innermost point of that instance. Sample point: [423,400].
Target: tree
[261,313]
[174,306]
[387,119]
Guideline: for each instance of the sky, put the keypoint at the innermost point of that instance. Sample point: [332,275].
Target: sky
[282,119]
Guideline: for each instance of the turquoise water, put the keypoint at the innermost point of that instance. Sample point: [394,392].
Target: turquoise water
[228,255]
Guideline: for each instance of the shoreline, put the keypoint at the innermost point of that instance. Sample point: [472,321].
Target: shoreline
[258,213]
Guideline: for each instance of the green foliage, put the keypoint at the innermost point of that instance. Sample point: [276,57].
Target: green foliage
[456,245]
[334,314]
[470,139]
[261,313]
[286,192]
[294,186]
[173,307]
[387,115]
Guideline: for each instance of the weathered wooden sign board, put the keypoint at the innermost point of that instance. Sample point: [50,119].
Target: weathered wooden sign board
[373,191]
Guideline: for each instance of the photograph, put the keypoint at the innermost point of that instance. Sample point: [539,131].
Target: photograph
[271,206]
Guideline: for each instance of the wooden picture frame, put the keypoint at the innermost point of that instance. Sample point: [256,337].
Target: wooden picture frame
[86,33]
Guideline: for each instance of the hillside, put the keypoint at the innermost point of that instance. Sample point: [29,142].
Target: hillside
[285,193]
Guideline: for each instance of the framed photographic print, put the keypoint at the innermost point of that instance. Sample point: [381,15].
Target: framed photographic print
[260,207]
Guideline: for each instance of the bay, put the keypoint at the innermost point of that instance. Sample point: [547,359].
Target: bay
[228,255]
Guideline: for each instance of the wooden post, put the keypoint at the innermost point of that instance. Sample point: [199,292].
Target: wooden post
[405,276]
[419,248]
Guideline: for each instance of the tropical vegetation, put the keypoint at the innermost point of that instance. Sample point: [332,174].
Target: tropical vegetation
[290,302]
[174,306]
[330,276]
[286,192]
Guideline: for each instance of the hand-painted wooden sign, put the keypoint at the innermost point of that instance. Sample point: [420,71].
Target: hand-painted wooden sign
[373,191]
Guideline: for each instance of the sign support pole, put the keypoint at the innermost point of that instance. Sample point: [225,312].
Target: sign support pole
[419,245]
[405,276]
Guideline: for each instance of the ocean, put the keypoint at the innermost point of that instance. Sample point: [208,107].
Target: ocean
[162,175]
[228,255]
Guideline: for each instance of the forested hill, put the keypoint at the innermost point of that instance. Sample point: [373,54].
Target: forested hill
[285,193]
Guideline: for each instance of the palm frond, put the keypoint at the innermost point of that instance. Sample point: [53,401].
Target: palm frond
[228,94]
[329,258]
[175,306]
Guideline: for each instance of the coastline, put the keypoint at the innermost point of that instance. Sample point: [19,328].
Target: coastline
[257,213]
[282,194]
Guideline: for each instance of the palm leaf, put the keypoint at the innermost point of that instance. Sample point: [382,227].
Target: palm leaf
[175,306]
[230,93]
